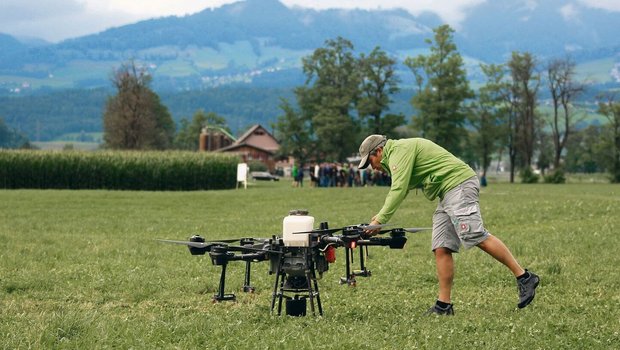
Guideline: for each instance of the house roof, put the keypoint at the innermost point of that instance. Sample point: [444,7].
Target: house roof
[259,137]
[236,146]
[220,129]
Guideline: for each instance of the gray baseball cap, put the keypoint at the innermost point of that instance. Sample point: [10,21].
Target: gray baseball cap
[369,145]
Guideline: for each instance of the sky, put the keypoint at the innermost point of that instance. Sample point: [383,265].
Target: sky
[56,20]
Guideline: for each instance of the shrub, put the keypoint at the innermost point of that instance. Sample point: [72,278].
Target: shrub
[555,177]
[257,165]
[528,176]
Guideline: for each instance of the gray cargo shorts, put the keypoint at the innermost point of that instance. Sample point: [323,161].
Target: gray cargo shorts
[457,218]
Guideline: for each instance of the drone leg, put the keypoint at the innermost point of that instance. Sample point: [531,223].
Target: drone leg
[350,278]
[310,290]
[281,294]
[363,271]
[278,285]
[220,296]
[318,295]
[246,285]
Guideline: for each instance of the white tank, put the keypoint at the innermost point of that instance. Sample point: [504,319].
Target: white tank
[297,221]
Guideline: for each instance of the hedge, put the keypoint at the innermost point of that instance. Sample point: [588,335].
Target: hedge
[116,170]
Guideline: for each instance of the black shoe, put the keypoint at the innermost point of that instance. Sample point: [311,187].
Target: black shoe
[438,310]
[527,289]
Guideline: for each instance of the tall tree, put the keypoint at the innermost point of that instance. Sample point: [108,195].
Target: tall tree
[525,84]
[378,82]
[329,95]
[135,118]
[443,87]
[564,89]
[294,133]
[10,138]
[488,116]
[610,108]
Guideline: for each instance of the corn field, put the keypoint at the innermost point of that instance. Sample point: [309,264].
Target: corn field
[114,170]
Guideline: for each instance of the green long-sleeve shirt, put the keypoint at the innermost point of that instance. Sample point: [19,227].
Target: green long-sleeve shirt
[418,162]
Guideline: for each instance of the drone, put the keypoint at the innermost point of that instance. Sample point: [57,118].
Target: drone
[297,257]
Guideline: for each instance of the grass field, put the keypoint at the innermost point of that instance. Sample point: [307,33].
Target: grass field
[81,270]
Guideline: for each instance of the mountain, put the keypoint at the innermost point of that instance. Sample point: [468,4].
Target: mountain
[246,41]
[550,28]
[258,45]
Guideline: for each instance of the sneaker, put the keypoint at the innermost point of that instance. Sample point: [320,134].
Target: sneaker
[527,289]
[438,310]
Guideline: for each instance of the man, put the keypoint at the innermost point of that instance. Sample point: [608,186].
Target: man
[420,163]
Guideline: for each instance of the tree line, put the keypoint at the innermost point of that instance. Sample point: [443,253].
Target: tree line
[347,96]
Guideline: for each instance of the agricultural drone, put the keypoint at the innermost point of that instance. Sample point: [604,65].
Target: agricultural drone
[297,257]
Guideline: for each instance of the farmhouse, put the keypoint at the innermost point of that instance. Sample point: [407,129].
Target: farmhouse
[255,144]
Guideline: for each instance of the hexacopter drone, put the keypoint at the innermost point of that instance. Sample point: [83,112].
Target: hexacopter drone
[296,257]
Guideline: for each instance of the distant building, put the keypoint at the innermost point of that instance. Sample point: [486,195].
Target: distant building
[213,138]
[256,144]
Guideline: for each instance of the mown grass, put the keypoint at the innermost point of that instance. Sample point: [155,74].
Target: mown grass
[81,270]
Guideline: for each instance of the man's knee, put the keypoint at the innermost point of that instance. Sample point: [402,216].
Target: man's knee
[442,251]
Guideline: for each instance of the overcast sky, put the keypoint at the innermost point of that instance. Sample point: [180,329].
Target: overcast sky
[55,20]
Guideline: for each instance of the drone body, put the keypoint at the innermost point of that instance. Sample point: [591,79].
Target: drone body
[295,258]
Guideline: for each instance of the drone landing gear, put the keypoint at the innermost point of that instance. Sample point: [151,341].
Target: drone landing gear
[221,296]
[221,257]
[362,272]
[304,287]
[247,288]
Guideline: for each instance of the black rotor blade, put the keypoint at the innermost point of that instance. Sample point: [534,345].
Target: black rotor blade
[373,227]
[320,231]
[188,243]
[233,240]
[417,229]
[252,249]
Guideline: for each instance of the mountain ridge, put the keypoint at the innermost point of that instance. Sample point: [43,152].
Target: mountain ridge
[239,38]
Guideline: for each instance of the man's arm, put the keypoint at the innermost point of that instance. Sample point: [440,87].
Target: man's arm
[401,163]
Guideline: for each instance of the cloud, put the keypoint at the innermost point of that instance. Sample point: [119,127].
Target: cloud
[451,11]
[569,13]
[19,10]
[609,5]
[55,20]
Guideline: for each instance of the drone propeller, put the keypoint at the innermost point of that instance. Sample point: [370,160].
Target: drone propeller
[373,227]
[410,230]
[417,229]
[222,244]
[191,244]
[252,249]
[333,230]
[325,231]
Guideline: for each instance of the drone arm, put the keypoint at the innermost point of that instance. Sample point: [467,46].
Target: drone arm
[392,242]
[260,256]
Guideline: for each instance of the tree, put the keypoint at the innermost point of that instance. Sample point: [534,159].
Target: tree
[611,110]
[585,151]
[329,95]
[294,133]
[188,136]
[488,115]
[378,82]
[524,91]
[135,118]
[442,89]
[10,138]
[564,90]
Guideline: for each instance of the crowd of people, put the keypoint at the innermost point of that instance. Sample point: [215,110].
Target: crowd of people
[338,175]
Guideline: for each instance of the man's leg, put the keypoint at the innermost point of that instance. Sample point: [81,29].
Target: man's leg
[498,250]
[526,281]
[445,273]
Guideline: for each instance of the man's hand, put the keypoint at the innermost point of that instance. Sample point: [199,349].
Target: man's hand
[373,232]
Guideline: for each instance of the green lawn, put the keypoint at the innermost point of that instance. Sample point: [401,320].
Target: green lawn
[82,270]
